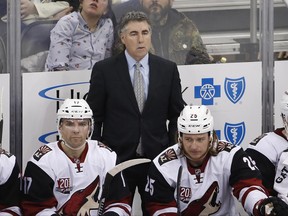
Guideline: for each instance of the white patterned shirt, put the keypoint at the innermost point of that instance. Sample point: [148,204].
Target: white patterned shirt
[74,47]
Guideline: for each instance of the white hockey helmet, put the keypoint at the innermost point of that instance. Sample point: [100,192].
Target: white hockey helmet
[195,120]
[284,109]
[75,109]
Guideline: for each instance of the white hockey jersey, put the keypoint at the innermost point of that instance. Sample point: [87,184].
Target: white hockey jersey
[281,177]
[55,183]
[205,190]
[9,184]
[266,150]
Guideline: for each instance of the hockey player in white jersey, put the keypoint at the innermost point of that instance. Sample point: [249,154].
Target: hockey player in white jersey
[9,184]
[281,177]
[212,172]
[269,151]
[66,177]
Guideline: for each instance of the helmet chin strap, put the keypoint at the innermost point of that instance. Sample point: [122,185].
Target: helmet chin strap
[72,148]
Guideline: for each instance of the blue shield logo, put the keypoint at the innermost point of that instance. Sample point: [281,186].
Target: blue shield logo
[234,89]
[234,133]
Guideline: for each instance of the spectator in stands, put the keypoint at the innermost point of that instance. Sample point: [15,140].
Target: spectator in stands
[36,10]
[9,184]
[173,34]
[81,39]
[33,10]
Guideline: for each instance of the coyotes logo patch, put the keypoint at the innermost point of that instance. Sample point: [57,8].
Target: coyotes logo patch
[4,152]
[84,201]
[225,146]
[41,152]
[256,140]
[167,156]
[207,205]
[102,145]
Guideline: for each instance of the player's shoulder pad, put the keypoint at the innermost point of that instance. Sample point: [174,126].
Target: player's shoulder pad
[4,152]
[256,140]
[167,156]
[44,149]
[225,146]
[102,145]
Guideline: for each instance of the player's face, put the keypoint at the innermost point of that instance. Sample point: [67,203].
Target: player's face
[156,9]
[136,36]
[94,7]
[196,147]
[75,131]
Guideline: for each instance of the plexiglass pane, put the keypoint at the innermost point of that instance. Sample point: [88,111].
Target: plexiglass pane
[3,37]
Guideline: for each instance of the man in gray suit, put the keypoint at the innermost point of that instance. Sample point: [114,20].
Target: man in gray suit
[120,122]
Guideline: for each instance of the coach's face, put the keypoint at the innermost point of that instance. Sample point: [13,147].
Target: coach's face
[156,9]
[136,36]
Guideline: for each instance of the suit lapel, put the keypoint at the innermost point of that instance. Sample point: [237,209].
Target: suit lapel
[125,80]
[153,77]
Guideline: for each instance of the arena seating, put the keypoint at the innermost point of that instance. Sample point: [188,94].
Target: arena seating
[35,37]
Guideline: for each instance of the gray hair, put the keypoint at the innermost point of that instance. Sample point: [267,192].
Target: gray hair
[132,16]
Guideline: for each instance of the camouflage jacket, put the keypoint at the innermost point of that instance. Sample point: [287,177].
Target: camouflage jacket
[176,40]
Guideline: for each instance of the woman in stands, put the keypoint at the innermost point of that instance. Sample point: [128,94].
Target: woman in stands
[82,38]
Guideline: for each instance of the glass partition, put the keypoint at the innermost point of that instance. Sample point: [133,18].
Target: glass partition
[3,38]
[229,27]
[35,31]
[192,32]
[228,32]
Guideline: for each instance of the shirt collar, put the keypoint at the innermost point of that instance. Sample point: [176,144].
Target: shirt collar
[131,61]
[82,22]
[84,25]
